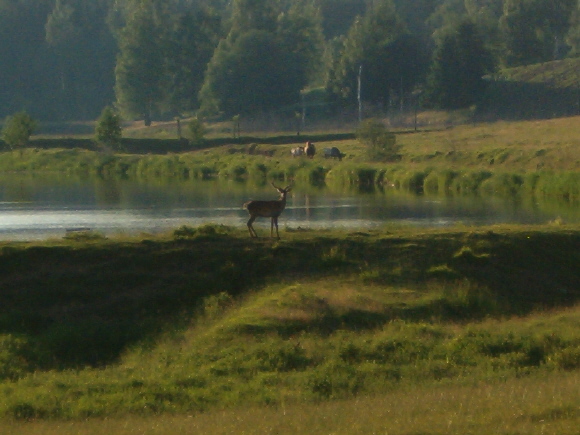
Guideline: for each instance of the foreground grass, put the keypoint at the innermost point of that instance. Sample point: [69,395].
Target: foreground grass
[547,405]
[142,332]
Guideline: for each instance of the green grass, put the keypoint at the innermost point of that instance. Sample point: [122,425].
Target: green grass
[473,330]
[504,158]
[530,405]
[147,331]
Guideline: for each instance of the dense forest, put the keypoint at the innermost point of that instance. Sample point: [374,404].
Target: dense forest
[65,60]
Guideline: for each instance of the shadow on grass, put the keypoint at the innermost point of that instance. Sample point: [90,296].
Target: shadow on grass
[84,304]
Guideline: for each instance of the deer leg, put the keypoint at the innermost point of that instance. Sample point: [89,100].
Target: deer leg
[251,228]
[274,222]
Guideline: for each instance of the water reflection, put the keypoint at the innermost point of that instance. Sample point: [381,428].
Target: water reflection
[37,207]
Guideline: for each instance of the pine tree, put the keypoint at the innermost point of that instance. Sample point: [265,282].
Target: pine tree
[460,62]
[108,130]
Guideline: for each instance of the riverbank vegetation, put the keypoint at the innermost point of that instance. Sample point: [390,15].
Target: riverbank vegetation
[208,319]
[503,158]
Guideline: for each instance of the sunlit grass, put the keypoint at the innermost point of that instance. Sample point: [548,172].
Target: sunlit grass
[535,405]
[502,158]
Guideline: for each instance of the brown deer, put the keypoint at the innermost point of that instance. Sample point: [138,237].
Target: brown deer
[271,209]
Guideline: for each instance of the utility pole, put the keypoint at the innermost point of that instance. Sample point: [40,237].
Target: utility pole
[358,94]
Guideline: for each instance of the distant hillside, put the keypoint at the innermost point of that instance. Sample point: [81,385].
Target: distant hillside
[558,74]
[546,90]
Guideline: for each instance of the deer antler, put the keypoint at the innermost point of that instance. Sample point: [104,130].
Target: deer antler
[279,188]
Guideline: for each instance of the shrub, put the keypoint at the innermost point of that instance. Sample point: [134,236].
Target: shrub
[380,143]
[18,129]
[15,353]
[197,133]
[108,130]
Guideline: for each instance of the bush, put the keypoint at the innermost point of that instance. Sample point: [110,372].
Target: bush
[380,143]
[197,132]
[18,129]
[108,129]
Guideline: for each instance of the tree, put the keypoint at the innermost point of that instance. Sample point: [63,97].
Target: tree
[534,31]
[299,31]
[267,58]
[17,129]
[338,15]
[108,129]
[460,62]
[392,59]
[380,143]
[484,13]
[25,63]
[573,35]
[192,42]
[197,131]
[250,15]
[140,77]
[82,51]
[254,74]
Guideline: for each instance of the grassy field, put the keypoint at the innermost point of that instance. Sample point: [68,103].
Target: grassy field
[460,330]
[397,330]
[528,158]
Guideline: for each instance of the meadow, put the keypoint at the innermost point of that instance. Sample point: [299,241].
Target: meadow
[501,158]
[457,329]
[394,330]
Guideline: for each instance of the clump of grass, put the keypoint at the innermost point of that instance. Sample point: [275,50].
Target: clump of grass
[469,182]
[503,184]
[85,235]
[207,231]
[215,305]
[439,181]
[412,181]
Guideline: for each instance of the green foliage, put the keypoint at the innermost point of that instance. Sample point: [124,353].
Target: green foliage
[108,129]
[530,29]
[189,48]
[438,181]
[460,62]
[17,129]
[242,75]
[197,132]
[139,72]
[381,144]
[392,60]
[15,357]
[469,181]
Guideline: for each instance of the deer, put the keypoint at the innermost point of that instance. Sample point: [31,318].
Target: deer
[271,209]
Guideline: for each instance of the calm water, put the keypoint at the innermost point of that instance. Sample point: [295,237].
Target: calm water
[39,207]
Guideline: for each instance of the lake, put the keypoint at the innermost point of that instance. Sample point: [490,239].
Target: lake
[40,207]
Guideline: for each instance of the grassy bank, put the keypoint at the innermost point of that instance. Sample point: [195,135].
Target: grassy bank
[208,319]
[532,158]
